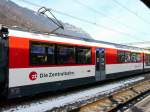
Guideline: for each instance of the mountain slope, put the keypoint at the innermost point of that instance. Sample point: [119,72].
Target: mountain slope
[14,15]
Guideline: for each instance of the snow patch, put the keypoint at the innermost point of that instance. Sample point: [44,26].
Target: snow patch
[51,103]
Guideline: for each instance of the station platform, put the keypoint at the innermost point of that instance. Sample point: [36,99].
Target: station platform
[142,106]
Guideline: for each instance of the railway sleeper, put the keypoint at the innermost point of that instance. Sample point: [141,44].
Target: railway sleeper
[113,101]
[100,107]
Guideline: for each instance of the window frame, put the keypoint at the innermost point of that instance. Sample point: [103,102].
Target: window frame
[90,62]
[46,53]
[147,59]
[127,53]
[57,56]
[118,56]
[131,53]
[56,63]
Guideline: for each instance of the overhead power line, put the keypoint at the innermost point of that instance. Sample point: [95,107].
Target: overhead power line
[105,15]
[84,20]
[31,3]
[132,12]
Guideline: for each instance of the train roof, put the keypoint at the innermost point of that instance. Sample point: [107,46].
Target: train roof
[114,45]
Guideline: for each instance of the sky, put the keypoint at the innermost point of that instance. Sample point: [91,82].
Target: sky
[125,23]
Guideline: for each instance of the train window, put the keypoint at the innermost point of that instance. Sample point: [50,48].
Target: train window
[65,54]
[147,59]
[127,56]
[41,53]
[45,54]
[135,57]
[121,56]
[138,57]
[38,49]
[83,55]
[50,54]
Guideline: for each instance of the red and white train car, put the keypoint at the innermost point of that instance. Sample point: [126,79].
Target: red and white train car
[146,62]
[32,63]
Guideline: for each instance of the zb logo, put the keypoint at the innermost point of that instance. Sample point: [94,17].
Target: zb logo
[33,75]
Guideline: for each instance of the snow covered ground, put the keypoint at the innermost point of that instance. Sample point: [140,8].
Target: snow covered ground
[70,98]
[13,15]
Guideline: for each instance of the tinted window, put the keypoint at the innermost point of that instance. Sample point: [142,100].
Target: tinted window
[83,55]
[138,57]
[135,57]
[147,59]
[42,53]
[46,53]
[97,60]
[127,57]
[121,56]
[38,49]
[65,54]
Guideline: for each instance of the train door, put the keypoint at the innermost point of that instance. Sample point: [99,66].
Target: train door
[100,64]
[3,58]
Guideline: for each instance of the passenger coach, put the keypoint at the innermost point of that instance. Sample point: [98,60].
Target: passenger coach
[32,63]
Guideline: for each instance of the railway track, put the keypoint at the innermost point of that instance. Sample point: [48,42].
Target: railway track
[78,100]
[116,99]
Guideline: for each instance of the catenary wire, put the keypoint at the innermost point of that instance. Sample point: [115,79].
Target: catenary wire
[132,12]
[105,15]
[84,20]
